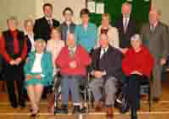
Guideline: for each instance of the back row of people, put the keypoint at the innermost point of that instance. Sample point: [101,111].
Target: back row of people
[15,45]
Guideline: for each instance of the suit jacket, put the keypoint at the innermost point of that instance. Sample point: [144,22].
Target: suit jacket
[157,40]
[111,62]
[42,28]
[64,28]
[124,37]
[47,68]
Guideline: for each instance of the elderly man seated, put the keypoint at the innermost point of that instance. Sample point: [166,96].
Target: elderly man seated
[137,65]
[106,69]
[72,61]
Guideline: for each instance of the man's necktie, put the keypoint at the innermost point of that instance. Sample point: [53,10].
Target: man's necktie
[125,25]
[50,23]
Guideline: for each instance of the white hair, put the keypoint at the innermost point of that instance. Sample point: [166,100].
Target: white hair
[136,37]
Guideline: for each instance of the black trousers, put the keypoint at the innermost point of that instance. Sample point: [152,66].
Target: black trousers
[133,89]
[14,74]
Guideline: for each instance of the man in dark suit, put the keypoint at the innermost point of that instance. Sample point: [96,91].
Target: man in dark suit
[106,70]
[14,51]
[126,27]
[155,37]
[43,26]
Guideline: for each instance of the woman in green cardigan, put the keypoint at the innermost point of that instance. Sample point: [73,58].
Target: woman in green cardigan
[38,72]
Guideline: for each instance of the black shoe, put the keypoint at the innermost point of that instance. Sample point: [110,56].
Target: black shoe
[133,114]
[76,109]
[64,109]
[22,105]
[83,110]
[14,105]
[59,110]
[156,99]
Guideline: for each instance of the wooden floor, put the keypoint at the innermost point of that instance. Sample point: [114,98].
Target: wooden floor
[160,110]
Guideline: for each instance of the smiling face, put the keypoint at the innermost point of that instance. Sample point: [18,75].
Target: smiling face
[55,34]
[126,9]
[103,41]
[68,15]
[29,26]
[153,16]
[47,11]
[136,44]
[71,42]
[12,24]
[85,18]
[105,21]
[40,46]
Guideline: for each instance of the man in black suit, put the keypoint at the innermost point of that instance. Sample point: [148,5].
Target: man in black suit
[126,27]
[43,26]
[106,70]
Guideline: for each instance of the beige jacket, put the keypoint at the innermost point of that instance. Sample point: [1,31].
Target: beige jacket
[113,36]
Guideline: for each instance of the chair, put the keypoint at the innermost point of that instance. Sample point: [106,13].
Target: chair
[146,88]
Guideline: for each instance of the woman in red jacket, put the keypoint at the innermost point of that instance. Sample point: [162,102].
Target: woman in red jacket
[137,66]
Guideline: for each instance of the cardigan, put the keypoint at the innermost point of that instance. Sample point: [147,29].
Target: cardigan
[86,37]
[47,68]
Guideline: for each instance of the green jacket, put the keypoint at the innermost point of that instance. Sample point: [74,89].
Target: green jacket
[47,68]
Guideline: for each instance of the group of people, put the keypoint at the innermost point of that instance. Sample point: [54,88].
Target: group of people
[33,57]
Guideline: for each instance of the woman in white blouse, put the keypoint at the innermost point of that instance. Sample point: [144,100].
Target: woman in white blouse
[111,32]
[54,45]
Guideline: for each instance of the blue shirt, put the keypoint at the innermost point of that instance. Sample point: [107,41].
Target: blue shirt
[86,37]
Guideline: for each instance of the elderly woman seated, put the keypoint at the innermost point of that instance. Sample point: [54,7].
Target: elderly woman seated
[38,72]
[137,66]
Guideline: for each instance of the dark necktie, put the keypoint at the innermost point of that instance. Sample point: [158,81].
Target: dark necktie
[125,25]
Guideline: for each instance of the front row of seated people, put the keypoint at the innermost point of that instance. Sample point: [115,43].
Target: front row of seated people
[107,64]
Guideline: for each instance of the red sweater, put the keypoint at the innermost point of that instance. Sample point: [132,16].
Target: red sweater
[81,57]
[141,61]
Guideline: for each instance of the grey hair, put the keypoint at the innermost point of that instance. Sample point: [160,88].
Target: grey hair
[14,18]
[136,37]
[27,21]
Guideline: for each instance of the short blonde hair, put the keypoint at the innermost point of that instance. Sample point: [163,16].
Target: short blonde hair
[107,16]
[27,21]
[40,41]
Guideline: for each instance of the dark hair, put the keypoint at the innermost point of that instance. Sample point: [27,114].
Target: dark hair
[47,4]
[67,9]
[84,11]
